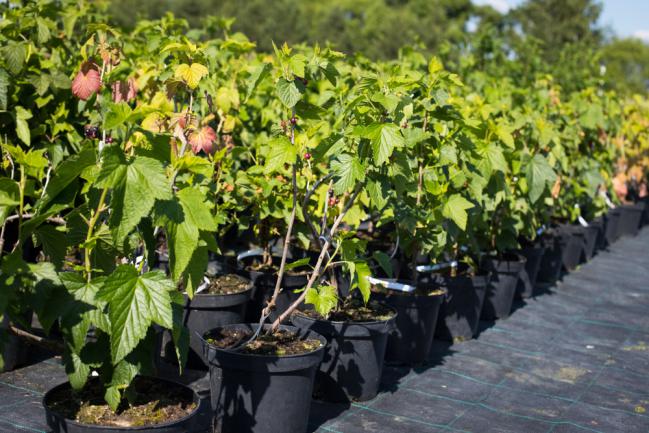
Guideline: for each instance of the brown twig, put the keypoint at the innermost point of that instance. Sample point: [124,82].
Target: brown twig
[26,216]
[53,345]
[316,270]
[287,240]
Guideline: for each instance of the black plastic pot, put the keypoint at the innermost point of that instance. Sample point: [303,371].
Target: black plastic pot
[527,282]
[612,219]
[630,217]
[14,351]
[412,338]
[263,287]
[600,223]
[262,394]
[591,235]
[353,362]
[459,314]
[552,262]
[645,214]
[504,274]
[205,312]
[572,240]
[59,424]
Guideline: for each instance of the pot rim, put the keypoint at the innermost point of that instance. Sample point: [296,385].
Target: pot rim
[340,322]
[196,398]
[323,343]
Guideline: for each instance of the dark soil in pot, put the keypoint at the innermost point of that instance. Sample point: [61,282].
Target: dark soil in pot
[222,303]
[630,217]
[527,282]
[612,219]
[356,341]
[160,406]
[266,386]
[412,338]
[504,272]
[263,279]
[459,313]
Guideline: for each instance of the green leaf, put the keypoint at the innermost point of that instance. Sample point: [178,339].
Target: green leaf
[135,302]
[66,173]
[538,173]
[76,370]
[42,30]
[22,127]
[281,152]
[505,135]
[384,262]
[289,92]
[496,158]
[256,77]
[143,181]
[349,170]
[54,242]
[116,115]
[384,138]
[455,209]
[323,298]
[14,54]
[378,190]
[197,209]
[4,87]
[362,272]
[191,74]
[296,264]
[113,397]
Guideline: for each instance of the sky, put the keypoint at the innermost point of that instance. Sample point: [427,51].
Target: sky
[626,18]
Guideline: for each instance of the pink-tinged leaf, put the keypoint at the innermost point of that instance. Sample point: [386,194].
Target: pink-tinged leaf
[124,90]
[87,81]
[202,139]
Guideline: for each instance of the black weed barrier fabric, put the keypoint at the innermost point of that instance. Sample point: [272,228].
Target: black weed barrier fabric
[573,360]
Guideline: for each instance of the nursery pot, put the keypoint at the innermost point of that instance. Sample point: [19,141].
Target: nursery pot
[630,217]
[353,361]
[533,255]
[504,273]
[612,219]
[262,393]
[59,424]
[412,338]
[14,351]
[263,287]
[572,240]
[552,261]
[459,313]
[591,235]
[208,311]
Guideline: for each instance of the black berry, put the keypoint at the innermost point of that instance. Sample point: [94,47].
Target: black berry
[293,121]
[91,132]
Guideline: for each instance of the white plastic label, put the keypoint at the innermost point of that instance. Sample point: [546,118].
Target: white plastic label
[250,253]
[436,267]
[582,221]
[392,285]
[205,285]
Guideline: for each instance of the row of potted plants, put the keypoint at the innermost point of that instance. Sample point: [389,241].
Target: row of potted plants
[284,220]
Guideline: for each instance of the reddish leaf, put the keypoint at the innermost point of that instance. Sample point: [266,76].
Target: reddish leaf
[124,90]
[87,82]
[202,139]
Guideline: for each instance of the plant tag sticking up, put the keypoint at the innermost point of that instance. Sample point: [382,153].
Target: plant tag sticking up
[608,201]
[582,221]
[203,286]
[540,230]
[250,253]
[436,267]
[392,285]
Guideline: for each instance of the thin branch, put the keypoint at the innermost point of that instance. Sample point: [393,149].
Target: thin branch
[287,239]
[305,202]
[316,270]
[53,345]
[26,216]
